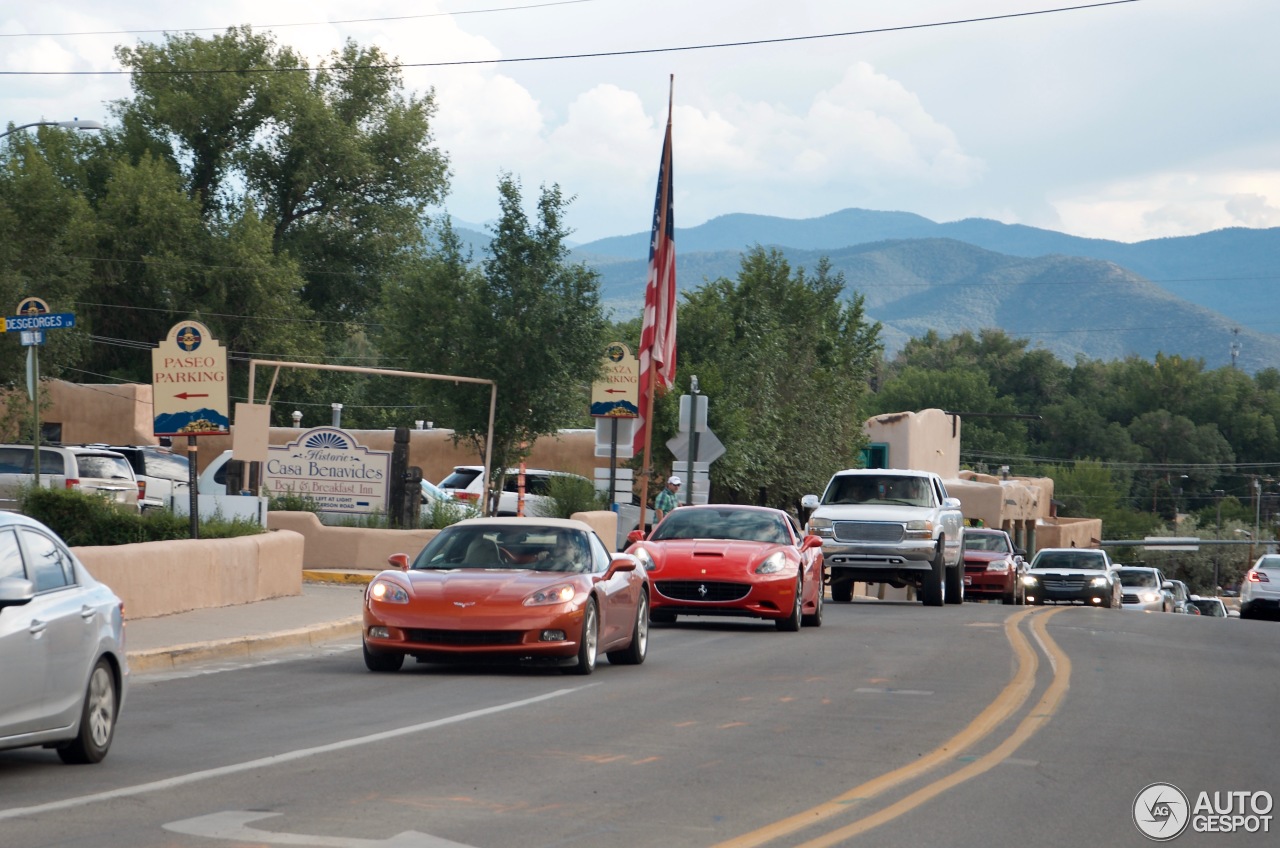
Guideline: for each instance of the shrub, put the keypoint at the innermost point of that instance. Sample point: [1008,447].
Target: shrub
[83,519]
[568,494]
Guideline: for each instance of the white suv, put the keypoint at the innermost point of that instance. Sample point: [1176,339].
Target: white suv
[466,484]
[1260,588]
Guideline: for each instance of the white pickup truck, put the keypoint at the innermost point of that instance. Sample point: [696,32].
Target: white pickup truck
[895,526]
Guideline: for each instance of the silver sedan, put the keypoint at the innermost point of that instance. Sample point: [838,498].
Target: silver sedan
[61,647]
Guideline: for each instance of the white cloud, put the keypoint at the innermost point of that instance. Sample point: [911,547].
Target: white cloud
[1174,204]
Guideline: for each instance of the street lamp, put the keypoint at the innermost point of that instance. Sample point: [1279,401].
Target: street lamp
[73,124]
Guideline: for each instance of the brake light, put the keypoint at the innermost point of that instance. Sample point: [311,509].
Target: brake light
[142,490]
[1258,577]
[73,483]
[467,496]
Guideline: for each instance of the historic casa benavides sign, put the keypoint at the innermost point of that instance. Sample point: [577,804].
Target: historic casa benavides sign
[326,466]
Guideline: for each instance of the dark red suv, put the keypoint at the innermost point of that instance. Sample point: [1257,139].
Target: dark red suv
[992,566]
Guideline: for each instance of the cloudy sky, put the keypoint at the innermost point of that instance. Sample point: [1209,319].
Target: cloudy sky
[1125,120]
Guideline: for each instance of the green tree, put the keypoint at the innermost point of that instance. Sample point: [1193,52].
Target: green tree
[784,358]
[527,319]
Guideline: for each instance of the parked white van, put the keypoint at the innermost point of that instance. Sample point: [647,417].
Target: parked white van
[94,470]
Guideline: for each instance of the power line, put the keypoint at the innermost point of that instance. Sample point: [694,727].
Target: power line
[299,24]
[598,55]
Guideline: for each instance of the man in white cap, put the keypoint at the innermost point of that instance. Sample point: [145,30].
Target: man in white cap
[666,499]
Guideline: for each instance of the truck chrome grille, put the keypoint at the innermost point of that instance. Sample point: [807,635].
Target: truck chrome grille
[867,531]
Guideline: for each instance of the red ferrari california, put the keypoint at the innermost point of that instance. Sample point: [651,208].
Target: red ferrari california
[509,589]
[732,560]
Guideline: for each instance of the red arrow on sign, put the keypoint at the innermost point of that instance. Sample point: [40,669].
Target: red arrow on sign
[615,391]
[184,396]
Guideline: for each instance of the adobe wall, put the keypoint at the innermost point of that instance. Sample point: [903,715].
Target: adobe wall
[161,578]
[1069,533]
[367,549]
[113,414]
[924,440]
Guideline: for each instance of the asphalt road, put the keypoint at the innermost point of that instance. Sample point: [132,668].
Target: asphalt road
[892,725]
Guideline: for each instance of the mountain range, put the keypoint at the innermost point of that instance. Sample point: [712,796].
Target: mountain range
[1195,296]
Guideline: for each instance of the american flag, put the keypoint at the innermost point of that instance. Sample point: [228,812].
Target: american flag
[658,329]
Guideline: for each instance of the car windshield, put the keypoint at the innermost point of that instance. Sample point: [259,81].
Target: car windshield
[1139,579]
[747,525]
[878,489]
[528,547]
[1210,606]
[996,542]
[1070,559]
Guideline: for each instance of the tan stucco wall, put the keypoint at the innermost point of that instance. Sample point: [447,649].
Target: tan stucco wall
[921,440]
[367,549]
[161,578]
[1068,533]
[113,414]
[348,547]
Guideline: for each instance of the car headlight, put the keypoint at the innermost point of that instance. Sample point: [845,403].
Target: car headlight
[998,565]
[1149,597]
[919,529]
[1028,580]
[388,592]
[773,563]
[557,594]
[821,527]
[646,559]
[1098,581]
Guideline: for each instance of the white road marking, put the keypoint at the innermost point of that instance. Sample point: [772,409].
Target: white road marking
[883,691]
[277,759]
[232,825]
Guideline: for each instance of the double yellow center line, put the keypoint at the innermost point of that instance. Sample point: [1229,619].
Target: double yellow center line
[1006,704]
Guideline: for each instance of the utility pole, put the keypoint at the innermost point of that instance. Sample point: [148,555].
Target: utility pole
[1217,589]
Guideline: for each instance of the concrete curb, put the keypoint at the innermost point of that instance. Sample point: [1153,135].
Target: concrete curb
[160,659]
[331,576]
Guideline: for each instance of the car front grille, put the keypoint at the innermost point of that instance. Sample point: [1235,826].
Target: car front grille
[464,638]
[1064,584]
[702,590]
[867,531]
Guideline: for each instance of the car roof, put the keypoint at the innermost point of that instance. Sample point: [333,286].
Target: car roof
[744,507]
[567,523]
[893,472]
[985,531]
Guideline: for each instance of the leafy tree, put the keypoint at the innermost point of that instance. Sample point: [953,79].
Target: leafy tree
[46,236]
[785,360]
[526,319]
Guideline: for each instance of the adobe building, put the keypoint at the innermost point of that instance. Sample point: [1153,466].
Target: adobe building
[928,440]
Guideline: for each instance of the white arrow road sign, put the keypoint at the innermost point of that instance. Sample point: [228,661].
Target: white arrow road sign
[233,826]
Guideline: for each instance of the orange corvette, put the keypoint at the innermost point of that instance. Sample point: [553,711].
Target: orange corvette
[509,589]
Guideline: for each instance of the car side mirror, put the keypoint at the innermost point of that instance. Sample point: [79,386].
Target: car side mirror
[811,541]
[1168,584]
[619,563]
[400,561]
[809,502]
[951,503]
[15,591]
[635,536]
